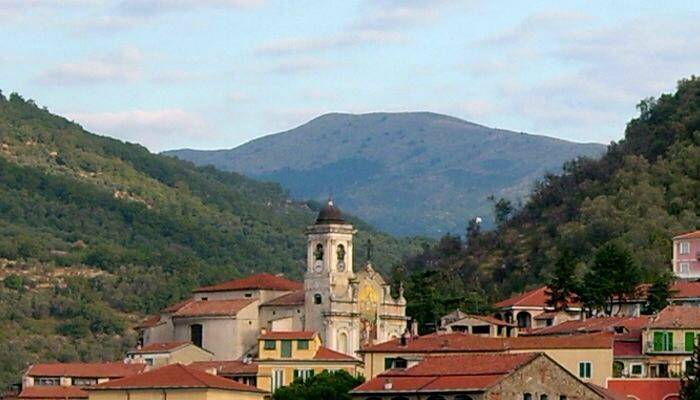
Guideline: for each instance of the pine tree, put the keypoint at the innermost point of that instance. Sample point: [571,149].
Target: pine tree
[658,294]
[563,284]
[690,384]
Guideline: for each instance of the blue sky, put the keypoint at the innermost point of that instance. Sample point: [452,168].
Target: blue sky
[216,73]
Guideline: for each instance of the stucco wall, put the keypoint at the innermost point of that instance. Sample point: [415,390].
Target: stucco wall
[173,394]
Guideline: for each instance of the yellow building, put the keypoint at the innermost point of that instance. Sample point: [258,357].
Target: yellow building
[286,356]
[161,354]
[175,382]
[668,340]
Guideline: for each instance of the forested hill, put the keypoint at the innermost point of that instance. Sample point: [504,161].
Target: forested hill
[641,193]
[95,232]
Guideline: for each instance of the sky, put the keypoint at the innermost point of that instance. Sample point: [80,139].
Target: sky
[210,74]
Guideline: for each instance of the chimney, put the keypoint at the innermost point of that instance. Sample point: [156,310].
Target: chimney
[403,341]
[414,328]
[263,331]
[388,385]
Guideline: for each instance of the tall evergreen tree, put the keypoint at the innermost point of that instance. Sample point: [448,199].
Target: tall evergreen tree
[690,384]
[658,293]
[562,285]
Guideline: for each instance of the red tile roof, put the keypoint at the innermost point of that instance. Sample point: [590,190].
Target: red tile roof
[326,354]
[290,335]
[685,289]
[459,342]
[160,347]
[227,367]
[627,349]
[255,282]
[53,392]
[110,370]
[646,388]
[175,376]
[213,308]
[689,235]
[677,317]
[633,325]
[470,372]
[149,322]
[607,394]
[173,308]
[290,299]
[534,298]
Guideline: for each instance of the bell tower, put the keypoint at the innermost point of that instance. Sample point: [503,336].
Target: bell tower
[329,267]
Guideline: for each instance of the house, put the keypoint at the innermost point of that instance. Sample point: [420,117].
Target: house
[686,255]
[588,356]
[478,376]
[161,354]
[244,371]
[524,308]
[646,388]
[286,356]
[482,325]
[669,339]
[68,380]
[175,381]
[349,307]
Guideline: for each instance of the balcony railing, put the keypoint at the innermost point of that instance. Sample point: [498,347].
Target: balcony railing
[674,349]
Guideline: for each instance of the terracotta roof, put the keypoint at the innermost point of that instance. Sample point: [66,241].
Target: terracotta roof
[627,349]
[291,335]
[645,388]
[290,299]
[53,392]
[534,298]
[227,367]
[213,308]
[463,342]
[689,235]
[177,306]
[685,289]
[175,376]
[149,322]
[160,347]
[255,282]
[607,394]
[86,370]
[633,325]
[547,315]
[324,353]
[467,372]
[485,318]
[677,317]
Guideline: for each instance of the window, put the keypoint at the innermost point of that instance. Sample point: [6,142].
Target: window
[248,295]
[343,342]
[663,341]
[527,396]
[47,381]
[302,344]
[481,329]
[685,268]
[388,363]
[543,397]
[148,361]
[84,381]
[400,363]
[270,345]
[303,374]
[689,341]
[205,298]
[684,248]
[318,254]
[584,370]
[562,397]
[196,334]
[277,379]
[318,299]
[286,349]
[636,369]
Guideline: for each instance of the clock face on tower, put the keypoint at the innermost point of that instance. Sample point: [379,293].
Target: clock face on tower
[341,266]
[318,266]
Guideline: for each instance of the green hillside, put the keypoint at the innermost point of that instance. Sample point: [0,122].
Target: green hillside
[641,193]
[95,232]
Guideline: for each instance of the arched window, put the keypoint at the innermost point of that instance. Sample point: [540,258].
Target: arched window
[341,252]
[319,252]
[196,334]
[343,342]
[436,397]
[527,396]
[318,299]
[543,397]
[524,319]
[399,398]
[463,397]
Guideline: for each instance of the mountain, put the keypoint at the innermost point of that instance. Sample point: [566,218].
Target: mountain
[642,192]
[94,233]
[407,173]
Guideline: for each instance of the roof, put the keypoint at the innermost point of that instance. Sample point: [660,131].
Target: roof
[233,367]
[290,299]
[685,289]
[175,376]
[534,298]
[255,282]
[633,325]
[607,394]
[213,308]
[53,392]
[645,388]
[86,370]
[689,235]
[326,354]
[677,317]
[160,347]
[330,214]
[466,372]
[149,322]
[484,318]
[627,349]
[173,308]
[291,335]
[458,342]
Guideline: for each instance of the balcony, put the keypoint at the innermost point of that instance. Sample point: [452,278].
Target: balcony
[674,349]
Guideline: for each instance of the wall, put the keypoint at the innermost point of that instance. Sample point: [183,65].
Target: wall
[173,394]
[270,313]
[265,369]
[601,361]
[691,258]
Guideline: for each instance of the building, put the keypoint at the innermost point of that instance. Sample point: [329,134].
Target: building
[68,380]
[523,310]
[284,357]
[669,339]
[245,371]
[160,354]
[686,255]
[588,356]
[646,388]
[482,325]
[348,308]
[175,381]
[526,376]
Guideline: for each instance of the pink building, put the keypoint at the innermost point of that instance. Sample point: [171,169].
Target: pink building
[686,255]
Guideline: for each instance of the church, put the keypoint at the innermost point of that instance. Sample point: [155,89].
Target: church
[348,308]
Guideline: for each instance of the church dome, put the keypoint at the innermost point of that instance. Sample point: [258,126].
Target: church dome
[330,214]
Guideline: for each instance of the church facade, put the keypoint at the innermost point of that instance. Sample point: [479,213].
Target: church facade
[347,308]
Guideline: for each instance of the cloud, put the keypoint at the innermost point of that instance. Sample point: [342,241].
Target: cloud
[297,45]
[545,22]
[121,67]
[155,129]
[177,76]
[237,96]
[299,65]
[156,7]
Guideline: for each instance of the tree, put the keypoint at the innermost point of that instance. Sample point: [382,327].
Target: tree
[613,276]
[502,209]
[690,384]
[658,293]
[324,386]
[563,284]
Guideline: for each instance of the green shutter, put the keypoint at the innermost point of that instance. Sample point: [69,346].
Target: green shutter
[588,370]
[302,344]
[669,341]
[689,341]
[286,348]
[658,341]
[581,370]
[388,363]
[311,373]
